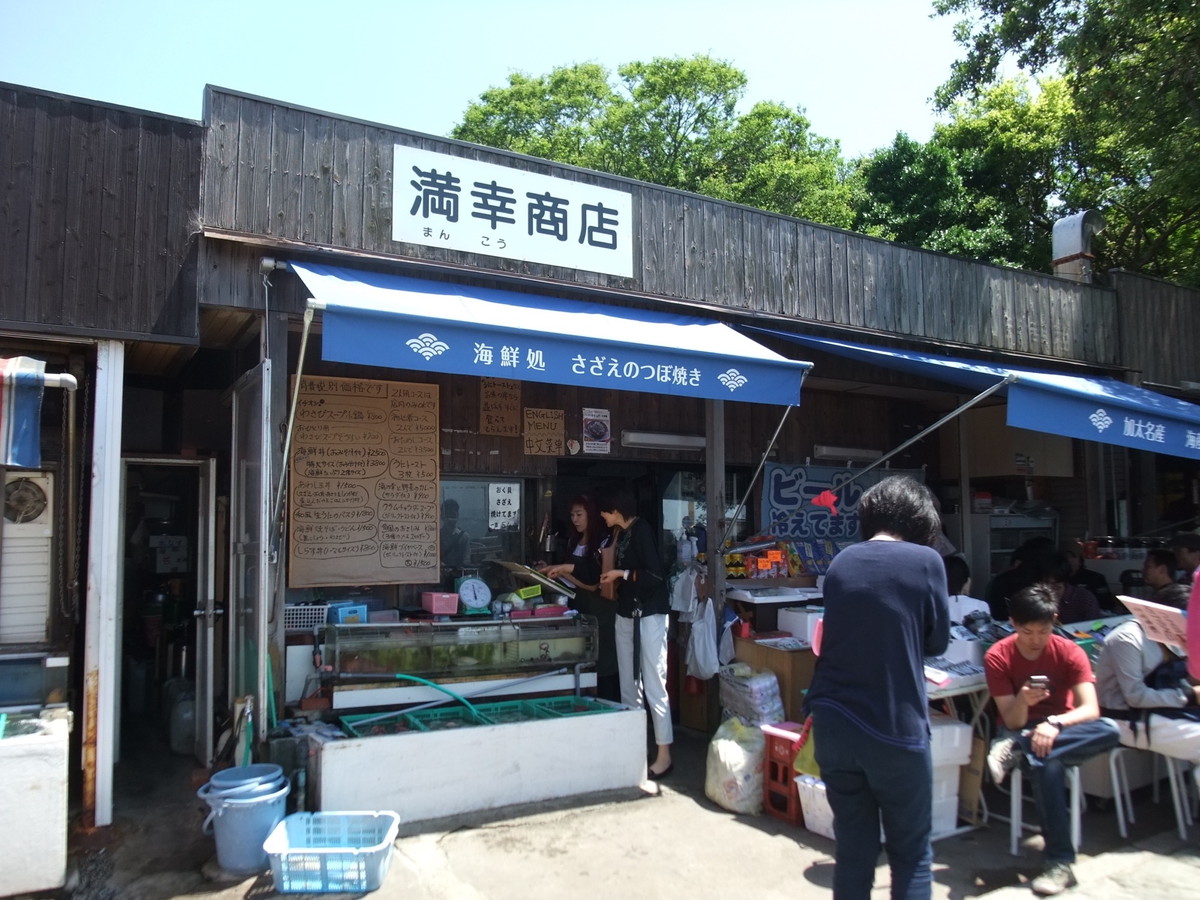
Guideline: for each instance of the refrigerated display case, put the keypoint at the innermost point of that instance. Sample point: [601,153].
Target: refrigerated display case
[987,540]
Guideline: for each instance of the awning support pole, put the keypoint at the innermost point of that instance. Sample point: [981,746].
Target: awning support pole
[291,421]
[729,526]
[1007,380]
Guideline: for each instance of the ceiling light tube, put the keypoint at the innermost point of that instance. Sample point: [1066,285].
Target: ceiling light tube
[856,454]
[657,440]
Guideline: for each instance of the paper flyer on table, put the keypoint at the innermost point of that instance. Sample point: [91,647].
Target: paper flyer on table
[1162,623]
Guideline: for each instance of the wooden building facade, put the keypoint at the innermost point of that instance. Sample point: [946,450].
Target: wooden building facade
[133,255]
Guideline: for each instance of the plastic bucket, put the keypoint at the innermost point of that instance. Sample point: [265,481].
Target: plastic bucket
[242,776]
[240,818]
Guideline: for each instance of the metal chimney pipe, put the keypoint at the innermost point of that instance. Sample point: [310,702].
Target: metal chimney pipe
[1071,244]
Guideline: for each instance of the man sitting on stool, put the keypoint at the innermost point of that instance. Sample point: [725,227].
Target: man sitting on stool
[1045,693]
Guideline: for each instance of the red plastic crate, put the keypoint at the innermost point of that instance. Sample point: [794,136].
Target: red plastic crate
[780,798]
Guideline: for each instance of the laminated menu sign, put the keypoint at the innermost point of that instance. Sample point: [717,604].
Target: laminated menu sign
[597,430]
[363,483]
[1162,623]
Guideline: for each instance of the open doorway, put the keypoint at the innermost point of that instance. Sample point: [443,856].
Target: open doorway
[168,604]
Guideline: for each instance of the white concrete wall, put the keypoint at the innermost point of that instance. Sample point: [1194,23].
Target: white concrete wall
[443,773]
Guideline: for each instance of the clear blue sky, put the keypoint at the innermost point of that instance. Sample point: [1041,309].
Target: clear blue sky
[861,69]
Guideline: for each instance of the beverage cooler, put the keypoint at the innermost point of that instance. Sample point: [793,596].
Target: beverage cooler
[988,540]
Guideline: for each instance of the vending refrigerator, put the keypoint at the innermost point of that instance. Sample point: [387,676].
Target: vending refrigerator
[987,540]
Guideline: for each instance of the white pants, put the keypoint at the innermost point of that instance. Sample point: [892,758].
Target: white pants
[1179,738]
[652,687]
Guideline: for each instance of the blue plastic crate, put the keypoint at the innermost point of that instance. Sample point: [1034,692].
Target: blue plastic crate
[331,852]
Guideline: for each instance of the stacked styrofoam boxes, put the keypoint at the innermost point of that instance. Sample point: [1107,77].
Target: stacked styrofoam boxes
[950,747]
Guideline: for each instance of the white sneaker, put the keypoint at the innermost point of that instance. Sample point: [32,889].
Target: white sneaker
[1054,880]
[1002,758]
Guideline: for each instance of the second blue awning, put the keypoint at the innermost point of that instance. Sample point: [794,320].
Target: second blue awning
[400,322]
[1092,407]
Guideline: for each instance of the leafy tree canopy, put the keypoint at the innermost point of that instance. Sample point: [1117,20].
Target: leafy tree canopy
[670,121]
[985,184]
[1132,68]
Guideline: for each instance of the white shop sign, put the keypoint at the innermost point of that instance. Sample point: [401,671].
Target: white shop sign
[462,204]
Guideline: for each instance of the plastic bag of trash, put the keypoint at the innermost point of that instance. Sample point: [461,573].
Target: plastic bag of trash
[733,771]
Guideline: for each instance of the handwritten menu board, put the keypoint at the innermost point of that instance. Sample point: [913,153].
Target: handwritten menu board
[500,407]
[545,434]
[364,483]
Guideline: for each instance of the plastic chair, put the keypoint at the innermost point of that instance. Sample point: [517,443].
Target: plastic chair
[1016,808]
[1121,801]
[1180,795]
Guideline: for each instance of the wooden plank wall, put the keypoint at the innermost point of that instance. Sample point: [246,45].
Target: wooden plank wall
[97,206]
[1159,327]
[302,176]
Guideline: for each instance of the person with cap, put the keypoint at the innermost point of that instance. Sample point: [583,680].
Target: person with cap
[1186,547]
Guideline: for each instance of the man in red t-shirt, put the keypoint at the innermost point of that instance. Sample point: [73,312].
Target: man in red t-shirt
[1045,693]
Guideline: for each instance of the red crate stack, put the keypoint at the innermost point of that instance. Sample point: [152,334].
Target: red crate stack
[780,798]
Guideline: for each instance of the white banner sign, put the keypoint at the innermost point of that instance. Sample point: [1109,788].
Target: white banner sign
[477,207]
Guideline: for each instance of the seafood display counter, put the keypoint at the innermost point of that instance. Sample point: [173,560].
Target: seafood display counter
[461,749]
[420,662]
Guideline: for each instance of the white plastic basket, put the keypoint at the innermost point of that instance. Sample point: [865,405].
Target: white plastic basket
[331,852]
[304,617]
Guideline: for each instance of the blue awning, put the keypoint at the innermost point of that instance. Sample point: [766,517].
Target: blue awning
[400,322]
[1094,408]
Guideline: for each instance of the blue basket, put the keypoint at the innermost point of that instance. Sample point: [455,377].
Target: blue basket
[331,852]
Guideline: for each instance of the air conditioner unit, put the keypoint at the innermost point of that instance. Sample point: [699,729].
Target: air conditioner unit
[26,557]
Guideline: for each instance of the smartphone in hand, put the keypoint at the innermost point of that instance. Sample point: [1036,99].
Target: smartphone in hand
[1040,681]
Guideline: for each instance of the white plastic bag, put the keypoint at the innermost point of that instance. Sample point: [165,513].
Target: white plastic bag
[683,595]
[733,769]
[725,650]
[702,645]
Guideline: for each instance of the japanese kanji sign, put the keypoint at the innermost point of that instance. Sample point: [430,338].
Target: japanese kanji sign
[477,207]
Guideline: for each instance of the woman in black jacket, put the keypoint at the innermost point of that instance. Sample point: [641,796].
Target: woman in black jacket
[583,572]
[643,604]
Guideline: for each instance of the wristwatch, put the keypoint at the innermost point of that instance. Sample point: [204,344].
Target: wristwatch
[1055,721]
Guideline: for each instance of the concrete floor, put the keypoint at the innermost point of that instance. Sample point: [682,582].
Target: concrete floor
[662,840]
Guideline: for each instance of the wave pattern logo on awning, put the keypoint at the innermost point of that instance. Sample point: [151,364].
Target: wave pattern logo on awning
[732,379]
[428,345]
[1101,420]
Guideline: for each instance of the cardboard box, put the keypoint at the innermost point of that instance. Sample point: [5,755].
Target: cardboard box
[970,783]
[439,603]
[793,669]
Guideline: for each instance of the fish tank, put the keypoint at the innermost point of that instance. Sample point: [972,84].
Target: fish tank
[468,649]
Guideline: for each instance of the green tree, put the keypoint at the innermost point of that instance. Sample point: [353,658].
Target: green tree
[986,183]
[1132,68]
[672,122]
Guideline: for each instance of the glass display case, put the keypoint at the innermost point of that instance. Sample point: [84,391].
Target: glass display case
[453,650]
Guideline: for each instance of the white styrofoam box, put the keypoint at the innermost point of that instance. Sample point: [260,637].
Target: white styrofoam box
[800,621]
[945,816]
[818,817]
[945,782]
[949,740]
[959,650]
[34,772]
